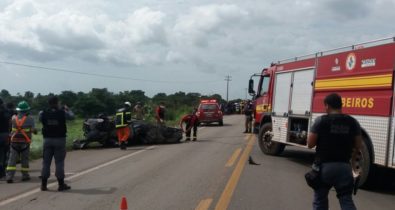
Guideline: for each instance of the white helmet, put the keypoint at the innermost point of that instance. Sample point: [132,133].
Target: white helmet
[127,103]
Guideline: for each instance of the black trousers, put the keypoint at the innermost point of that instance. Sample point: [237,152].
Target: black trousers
[191,128]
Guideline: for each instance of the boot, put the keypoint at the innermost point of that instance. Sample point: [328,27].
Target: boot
[44,184]
[123,146]
[63,186]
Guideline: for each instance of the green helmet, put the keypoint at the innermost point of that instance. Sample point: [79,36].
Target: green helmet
[23,106]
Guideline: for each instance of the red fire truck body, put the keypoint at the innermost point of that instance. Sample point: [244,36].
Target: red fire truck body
[290,96]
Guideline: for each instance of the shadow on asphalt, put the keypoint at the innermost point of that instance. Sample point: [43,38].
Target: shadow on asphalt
[214,125]
[215,142]
[93,191]
[382,182]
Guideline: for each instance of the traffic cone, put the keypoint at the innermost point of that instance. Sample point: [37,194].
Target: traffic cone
[124,204]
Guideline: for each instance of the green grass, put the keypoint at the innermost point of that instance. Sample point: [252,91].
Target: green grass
[74,131]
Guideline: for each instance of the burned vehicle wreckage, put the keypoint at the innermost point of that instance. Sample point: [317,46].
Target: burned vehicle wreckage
[101,130]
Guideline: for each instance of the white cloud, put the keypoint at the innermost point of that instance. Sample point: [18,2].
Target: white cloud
[27,26]
[203,22]
[153,38]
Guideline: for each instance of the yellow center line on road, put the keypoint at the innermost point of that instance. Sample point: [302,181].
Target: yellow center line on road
[227,194]
[204,204]
[233,158]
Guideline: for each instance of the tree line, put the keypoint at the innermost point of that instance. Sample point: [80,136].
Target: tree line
[101,100]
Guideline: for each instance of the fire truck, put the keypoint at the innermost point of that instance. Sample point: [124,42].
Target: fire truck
[290,97]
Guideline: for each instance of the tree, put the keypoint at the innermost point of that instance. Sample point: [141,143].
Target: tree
[4,94]
[68,98]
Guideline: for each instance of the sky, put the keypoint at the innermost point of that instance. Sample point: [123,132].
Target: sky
[171,45]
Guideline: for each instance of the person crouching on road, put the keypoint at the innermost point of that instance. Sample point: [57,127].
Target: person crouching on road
[22,128]
[337,137]
[123,118]
[192,122]
[54,146]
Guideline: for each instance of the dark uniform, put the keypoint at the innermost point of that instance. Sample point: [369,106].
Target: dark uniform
[5,122]
[336,135]
[248,111]
[54,132]
[5,119]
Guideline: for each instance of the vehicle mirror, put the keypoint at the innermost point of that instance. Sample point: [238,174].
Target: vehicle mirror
[251,87]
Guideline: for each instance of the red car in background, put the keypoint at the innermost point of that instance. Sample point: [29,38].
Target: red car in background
[209,111]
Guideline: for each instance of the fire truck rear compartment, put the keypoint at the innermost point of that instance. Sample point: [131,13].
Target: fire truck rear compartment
[297,130]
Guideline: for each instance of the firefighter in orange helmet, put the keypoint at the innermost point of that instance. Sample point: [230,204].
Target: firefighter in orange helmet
[122,119]
[191,122]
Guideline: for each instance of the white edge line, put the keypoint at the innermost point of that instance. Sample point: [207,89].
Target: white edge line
[32,192]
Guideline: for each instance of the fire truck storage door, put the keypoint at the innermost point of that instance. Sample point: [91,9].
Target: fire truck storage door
[302,91]
[281,93]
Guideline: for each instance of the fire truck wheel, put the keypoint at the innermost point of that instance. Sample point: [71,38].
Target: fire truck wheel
[221,123]
[266,144]
[362,164]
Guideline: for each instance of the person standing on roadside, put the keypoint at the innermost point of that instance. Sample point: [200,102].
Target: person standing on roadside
[54,132]
[337,137]
[139,111]
[248,111]
[21,134]
[123,118]
[160,113]
[5,125]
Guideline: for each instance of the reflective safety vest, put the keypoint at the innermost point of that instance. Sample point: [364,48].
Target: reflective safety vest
[122,117]
[20,134]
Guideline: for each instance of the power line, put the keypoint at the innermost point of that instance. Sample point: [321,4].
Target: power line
[98,75]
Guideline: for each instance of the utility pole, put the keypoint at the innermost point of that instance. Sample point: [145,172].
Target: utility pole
[246,89]
[228,78]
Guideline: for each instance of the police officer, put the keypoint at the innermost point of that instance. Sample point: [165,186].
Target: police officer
[5,124]
[336,137]
[122,119]
[192,122]
[248,111]
[54,132]
[22,128]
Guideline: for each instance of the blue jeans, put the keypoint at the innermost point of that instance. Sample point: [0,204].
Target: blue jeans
[337,175]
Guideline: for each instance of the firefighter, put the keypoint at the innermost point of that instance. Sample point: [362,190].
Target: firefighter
[248,111]
[160,113]
[122,119]
[21,134]
[54,146]
[139,111]
[192,122]
[5,124]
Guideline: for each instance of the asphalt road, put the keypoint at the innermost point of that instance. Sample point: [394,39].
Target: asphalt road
[212,173]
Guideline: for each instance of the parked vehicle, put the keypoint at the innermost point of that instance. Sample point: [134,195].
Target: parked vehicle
[209,112]
[290,96]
